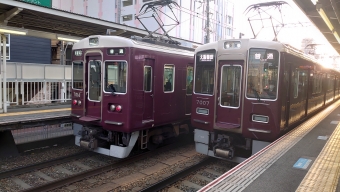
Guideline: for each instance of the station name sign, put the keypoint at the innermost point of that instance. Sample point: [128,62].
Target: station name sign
[45,3]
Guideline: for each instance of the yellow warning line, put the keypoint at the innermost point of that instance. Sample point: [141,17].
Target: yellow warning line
[324,173]
[33,112]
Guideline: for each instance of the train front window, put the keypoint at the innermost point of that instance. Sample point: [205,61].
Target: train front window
[77,75]
[115,76]
[262,80]
[204,73]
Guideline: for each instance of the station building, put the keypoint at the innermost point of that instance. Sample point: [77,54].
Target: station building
[191,14]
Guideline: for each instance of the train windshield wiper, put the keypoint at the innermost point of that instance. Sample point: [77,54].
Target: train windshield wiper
[256,94]
[113,90]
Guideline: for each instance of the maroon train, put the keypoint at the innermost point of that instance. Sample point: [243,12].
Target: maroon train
[128,93]
[247,93]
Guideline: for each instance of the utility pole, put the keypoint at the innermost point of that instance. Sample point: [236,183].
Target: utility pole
[207,27]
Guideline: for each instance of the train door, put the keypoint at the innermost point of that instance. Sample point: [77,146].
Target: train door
[188,95]
[228,109]
[148,114]
[94,84]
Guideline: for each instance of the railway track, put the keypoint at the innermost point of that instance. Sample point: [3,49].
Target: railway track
[22,170]
[192,178]
[65,173]
[167,168]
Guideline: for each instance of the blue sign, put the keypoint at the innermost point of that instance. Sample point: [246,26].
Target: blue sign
[302,163]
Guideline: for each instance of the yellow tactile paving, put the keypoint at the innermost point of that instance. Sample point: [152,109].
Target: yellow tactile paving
[324,173]
[33,112]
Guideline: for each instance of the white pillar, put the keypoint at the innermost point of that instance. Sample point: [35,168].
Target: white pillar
[4,72]
[1,69]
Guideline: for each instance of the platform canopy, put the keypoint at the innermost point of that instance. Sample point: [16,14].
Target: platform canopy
[52,23]
[325,14]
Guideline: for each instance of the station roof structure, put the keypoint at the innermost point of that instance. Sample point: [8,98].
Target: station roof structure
[325,14]
[50,23]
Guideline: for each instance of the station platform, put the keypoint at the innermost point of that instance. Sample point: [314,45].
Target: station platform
[24,116]
[305,159]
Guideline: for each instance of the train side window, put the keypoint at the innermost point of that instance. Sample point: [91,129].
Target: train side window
[77,75]
[189,80]
[168,78]
[147,78]
[115,76]
[230,86]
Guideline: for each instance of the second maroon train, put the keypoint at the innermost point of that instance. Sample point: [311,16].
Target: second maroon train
[248,93]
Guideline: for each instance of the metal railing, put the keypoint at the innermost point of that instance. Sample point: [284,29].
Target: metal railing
[30,83]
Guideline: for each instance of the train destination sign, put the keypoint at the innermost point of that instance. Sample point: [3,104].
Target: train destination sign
[269,56]
[206,57]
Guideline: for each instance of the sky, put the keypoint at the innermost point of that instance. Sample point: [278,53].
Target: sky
[290,14]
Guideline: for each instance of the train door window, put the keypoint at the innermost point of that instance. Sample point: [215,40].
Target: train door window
[189,80]
[262,78]
[147,78]
[230,86]
[115,76]
[77,75]
[168,77]
[204,72]
[317,83]
[295,76]
[94,80]
[330,79]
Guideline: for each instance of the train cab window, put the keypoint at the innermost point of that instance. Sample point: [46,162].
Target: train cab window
[147,78]
[230,86]
[168,78]
[189,80]
[115,76]
[77,75]
[262,78]
[204,73]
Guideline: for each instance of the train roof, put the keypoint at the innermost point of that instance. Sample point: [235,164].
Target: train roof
[116,41]
[246,44]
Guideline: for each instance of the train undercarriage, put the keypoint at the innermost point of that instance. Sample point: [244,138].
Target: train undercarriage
[120,144]
[226,145]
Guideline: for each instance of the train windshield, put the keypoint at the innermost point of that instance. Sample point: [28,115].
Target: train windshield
[204,73]
[77,75]
[262,77]
[115,76]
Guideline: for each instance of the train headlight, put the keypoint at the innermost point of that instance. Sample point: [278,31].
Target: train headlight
[74,102]
[112,107]
[119,108]
[79,102]
[232,44]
